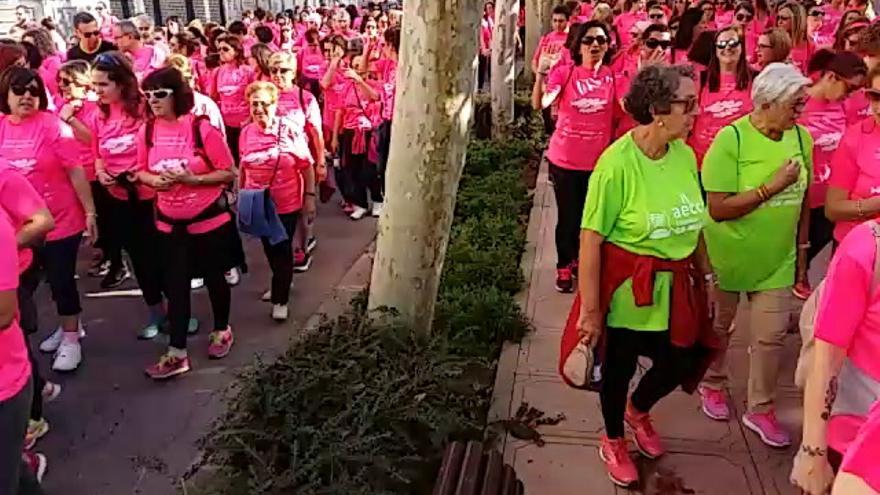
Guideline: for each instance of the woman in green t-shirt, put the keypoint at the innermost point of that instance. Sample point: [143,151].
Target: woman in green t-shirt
[756,174]
[643,208]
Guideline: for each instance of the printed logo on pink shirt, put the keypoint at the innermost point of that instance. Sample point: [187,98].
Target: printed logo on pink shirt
[174,165]
[828,141]
[258,157]
[120,144]
[589,105]
[725,108]
[24,165]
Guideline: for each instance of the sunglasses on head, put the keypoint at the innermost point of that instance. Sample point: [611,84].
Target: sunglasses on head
[91,34]
[873,95]
[20,90]
[281,70]
[653,43]
[731,43]
[106,59]
[159,94]
[589,40]
[743,17]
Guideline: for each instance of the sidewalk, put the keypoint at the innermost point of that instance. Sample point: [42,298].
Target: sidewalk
[705,457]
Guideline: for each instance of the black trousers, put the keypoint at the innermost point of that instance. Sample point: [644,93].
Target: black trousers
[821,232]
[484,72]
[99,196]
[27,319]
[133,228]
[232,135]
[570,190]
[280,258]
[623,349]
[359,174]
[15,477]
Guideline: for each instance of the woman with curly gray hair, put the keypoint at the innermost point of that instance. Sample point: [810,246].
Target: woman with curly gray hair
[756,174]
[639,245]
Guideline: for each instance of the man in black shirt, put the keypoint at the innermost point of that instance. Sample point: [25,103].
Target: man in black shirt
[90,42]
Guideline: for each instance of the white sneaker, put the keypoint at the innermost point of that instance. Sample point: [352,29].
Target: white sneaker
[196,283]
[267,296]
[68,357]
[53,341]
[233,277]
[358,213]
[377,209]
[279,312]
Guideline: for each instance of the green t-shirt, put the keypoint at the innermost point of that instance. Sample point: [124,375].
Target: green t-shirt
[647,207]
[757,251]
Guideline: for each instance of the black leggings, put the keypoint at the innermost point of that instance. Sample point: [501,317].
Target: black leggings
[232,135]
[622,353]
[484,72]
[27,313]
[280,257]
[178,252]
[133,228]
[360,175]
[821,232]
[15,477]
[570,189]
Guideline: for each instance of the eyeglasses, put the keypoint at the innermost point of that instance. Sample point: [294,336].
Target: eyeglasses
[743,17]
[873,95]
[144,28]
[731,43]
[63,81]
[225,49]
[19,90]
[817,13]
[261,104]
[281,70]
[589,40]
[689,104]
[852,42]
[159,94]
[654,43]
[656,17]
[91,34]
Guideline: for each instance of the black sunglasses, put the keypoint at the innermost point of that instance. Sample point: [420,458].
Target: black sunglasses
[91,34]
[63,81]
[589,40]
[656,17]
[281,70]
[873,95]
[743,17]
[19,90]
[731,43]
[653,44]
[225,49]
[817,13]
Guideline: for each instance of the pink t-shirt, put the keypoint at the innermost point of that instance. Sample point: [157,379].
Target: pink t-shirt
[802,54]
[49,72]
[115,142]
[830,21]
[826,121]
[724,18]
[174,150]
[290,105]
[716,111]
[146,60]
[857,107]
[205,106]
[19,201]
[861,457]
[855,167]
[232,81]
[277,149]
[15,369]
[626,66]
[43,149]
[387,69]
[356,108]
[586,108]
[312,62]
[551,41]
[624,24]
[487,26]
[86,114]
[333,96]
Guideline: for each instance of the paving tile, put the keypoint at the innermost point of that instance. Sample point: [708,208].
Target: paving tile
[551,310]
[583,418]
[539,352]
[558,469]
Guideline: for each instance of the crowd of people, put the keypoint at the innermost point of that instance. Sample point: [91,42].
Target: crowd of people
[154,148]
[704,152]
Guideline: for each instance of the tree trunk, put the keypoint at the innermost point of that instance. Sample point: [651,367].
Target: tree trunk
[538,16]
[503,65]
[429,137]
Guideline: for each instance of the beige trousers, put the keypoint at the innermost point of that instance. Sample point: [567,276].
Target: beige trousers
[767,323]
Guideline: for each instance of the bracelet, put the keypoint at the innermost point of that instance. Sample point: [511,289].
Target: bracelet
[805,245]
[859,209]
[813,451]
[68,119]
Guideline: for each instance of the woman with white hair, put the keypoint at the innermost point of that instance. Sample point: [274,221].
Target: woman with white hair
[756,174]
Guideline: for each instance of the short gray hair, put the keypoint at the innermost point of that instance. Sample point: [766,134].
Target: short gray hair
[777,82]
[653,89]
[128,27]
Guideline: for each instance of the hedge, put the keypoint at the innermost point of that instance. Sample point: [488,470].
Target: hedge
[356,407]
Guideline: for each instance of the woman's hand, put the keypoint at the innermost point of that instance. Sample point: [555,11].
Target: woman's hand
[158,182]
[182,176]
[321,172]
[811,472]
[309,207]
[353,75]
[712,298]
[547,60]
[785,176]
[69,109]
[92,227]
[334,144]
[105,179]
[589,327]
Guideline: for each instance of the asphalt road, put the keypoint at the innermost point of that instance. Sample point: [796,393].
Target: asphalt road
[114,431]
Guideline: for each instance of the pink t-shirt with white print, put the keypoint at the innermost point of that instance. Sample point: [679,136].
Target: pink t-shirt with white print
[49,72]
[826,121]
[861,456]
[174,150]
[356,111]
[586,107]
[19,201]
[15,368]
[333,97]
[857,107]
[855,167]
[43,149]
[232,81]
[624,24]
[290,105]
[86,114]
[312,62]
[145,60]
[115,142]
[277,149]
[718,109]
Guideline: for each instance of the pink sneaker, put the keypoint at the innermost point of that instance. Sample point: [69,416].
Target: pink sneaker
[621,468]
[37,463]
[168,367]
[768,428]
[647,439]
[221,343]
[714,403]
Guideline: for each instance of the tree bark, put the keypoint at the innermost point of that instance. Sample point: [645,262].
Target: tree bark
[429,137]
[538,16]
[503,65]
